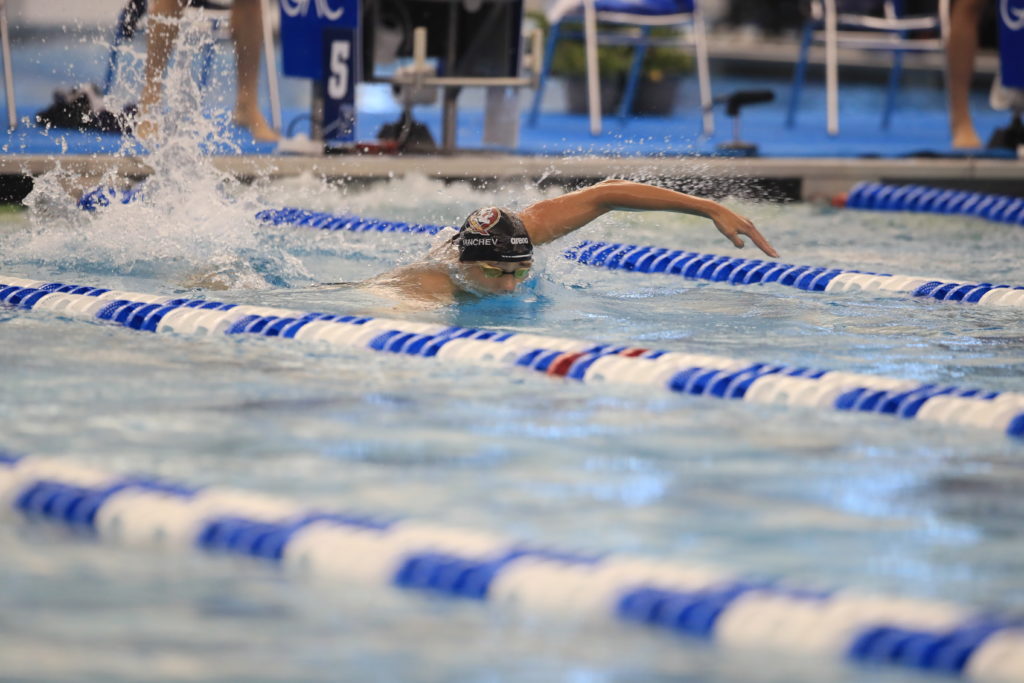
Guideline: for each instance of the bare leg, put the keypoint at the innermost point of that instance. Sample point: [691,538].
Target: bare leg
[247,32]
[162,33]
[963,45]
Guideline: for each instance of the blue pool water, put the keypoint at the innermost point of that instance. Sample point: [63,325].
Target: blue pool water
[824,498]
[900,507]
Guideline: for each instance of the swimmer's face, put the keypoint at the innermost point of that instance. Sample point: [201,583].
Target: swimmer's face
[496,277]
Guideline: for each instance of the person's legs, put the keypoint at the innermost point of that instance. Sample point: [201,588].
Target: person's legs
[963,44]
[162,31]
[247,32]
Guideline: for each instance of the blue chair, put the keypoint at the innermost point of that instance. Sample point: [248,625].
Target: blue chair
[642,15]
[890,30]
[218,13]
[128,23]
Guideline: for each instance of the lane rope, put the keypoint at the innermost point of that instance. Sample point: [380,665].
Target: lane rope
[709,603]
[744,271]
[685,373]
[924,199]
[661,260]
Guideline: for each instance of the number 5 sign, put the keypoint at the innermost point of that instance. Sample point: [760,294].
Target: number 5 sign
[319,41]
[340,66]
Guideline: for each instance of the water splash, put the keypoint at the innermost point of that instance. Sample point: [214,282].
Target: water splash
[195,225]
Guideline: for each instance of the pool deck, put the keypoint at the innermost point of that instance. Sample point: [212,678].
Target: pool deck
[795,162]
[802,162]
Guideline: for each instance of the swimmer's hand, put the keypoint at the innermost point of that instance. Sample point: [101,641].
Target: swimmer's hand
[732,225]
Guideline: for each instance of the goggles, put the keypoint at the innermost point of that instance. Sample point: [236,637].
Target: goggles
[494,272]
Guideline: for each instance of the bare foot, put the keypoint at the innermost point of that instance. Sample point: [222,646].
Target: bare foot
[146,121]
[257,125]
[145,130]
[965,137]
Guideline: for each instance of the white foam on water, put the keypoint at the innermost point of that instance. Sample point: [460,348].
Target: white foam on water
[195,223]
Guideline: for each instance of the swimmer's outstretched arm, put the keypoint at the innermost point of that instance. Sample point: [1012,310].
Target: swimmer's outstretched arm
[550,219]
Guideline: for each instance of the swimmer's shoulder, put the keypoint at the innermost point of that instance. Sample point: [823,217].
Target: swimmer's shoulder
[426,280]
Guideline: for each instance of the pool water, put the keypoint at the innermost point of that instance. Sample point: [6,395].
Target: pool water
[901,507]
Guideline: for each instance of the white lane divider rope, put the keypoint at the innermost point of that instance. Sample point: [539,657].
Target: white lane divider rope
[359,548]
[695,374]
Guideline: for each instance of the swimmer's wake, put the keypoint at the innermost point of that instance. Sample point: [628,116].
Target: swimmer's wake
[662,260]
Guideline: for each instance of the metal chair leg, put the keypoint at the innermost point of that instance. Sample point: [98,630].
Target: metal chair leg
[549,53]
[270,57]
[112,59]
[832,66]
[127,23]
[703,72]
[5,43]
[891,95]
[593,72]
[206,52]
[800,74]
[635,72]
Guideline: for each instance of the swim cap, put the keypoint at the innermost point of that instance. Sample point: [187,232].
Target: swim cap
[493,234]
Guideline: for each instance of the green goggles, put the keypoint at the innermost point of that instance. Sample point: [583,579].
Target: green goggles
[494,272]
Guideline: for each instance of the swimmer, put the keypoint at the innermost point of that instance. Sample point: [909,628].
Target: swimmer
[493,251]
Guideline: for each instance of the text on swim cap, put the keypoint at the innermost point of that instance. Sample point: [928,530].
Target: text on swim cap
[491,242]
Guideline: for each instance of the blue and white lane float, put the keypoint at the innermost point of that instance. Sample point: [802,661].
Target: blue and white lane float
[743,271]
[685,373]
[661,260]
[731,610]
[710,267]
[923,199]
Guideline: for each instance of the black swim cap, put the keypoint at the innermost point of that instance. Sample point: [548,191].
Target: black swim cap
[493,235]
